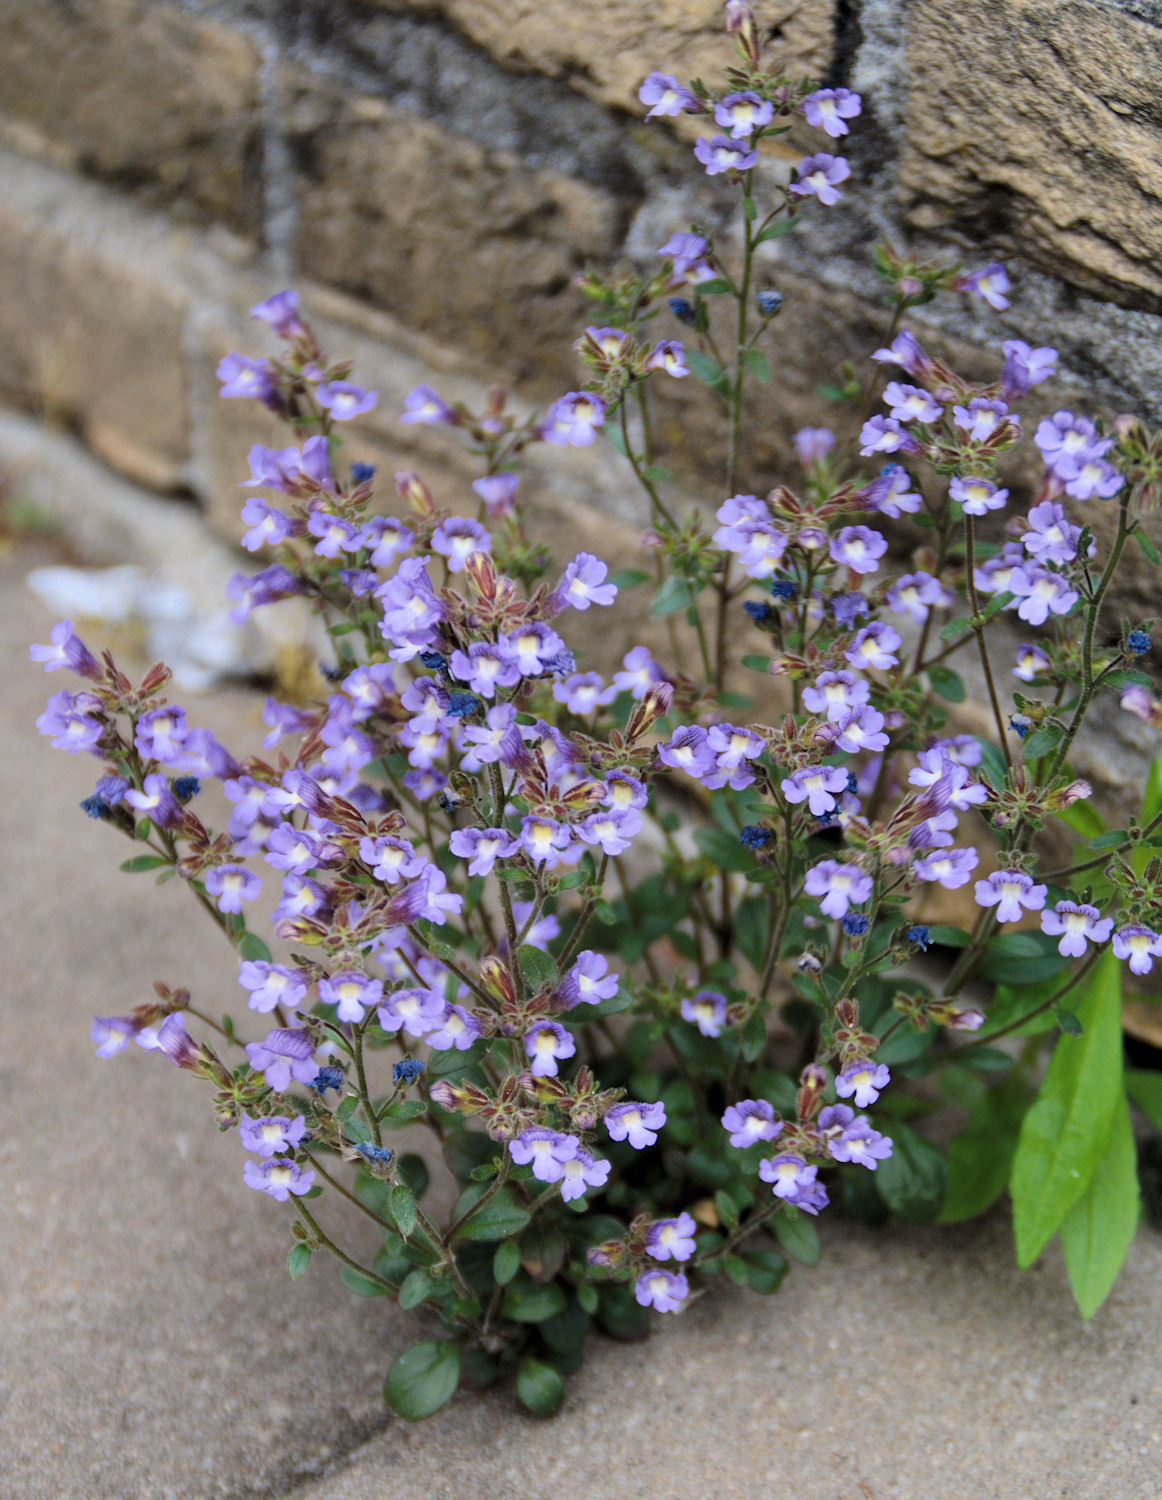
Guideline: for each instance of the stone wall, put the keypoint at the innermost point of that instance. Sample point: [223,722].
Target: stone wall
[433,172]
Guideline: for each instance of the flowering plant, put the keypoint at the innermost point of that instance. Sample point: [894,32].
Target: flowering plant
[644,1054]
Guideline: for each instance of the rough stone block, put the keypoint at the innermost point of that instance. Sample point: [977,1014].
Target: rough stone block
[606,48]
[140,94]
[89,338]
[1041,136]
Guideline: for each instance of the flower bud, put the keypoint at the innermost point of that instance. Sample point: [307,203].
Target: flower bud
[414,492]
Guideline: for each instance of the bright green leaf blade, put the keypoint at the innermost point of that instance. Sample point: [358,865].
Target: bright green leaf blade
[1083,818]
[1145,1090]
[415,1288]
[1099,1228]
[797,1234]
[251,946]
[947,683]
[500,1217]
[403,1208]
[422,1379]
[911,1181]
[1152,798]
[298,1260]
[981,1157]
[539,1387]
[505,1262]
[361,1285]
[1066,1132]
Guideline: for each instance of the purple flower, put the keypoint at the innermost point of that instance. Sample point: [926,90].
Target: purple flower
[732,748]
[977,495]
[268,587]
[353,994]
[981,418]
[498,491]
[416,1011]
[666,96]
[907,353]
[583,583]
[291,471]
[888,494]
[423,405]
[498,739]
[1067,441]
[852,1139]
[573,419]
[546,1151]
[281,312]
[813,444]
[1041,593]
[1095,476]
[743,114]
[612,828]
[544,839]
[1024,368]
[990,284]
[874,646]
[589,980]
[707,1011]
[1010,891]
[1077,926]
[392,860]
[584,693]
[864,1080]
[685,250]
[533,648]
[830,110]
[458,538]
[268,526]
[950,868]
[860,729]
[542,932]
[271,1134]
[623,790]
[915,594]
[580,1171]
[156,802]
[271,985]
[430,898]
[909,403]
[751,1120]
[672,1239]
[334,533]
[640,672]
[688,749]
[283,719]
[1031,661]
[720,154]
[885,435]
[1140,945]
[1051,537]
[636,1123]
[248,377]
[482,847]
[789,1175]
[819,175]
[664,1291]
[230,885]
[344,400]
[113,1034]
[818,786]
[837,887]
[66,650]
[546,1042]
[282,1055]
[669,357]
[835,693]
[161,733]
[459,1030]
[279,1177]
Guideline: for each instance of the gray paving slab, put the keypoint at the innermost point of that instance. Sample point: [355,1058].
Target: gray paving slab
[151,1345]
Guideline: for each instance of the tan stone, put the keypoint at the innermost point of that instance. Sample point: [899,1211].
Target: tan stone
[161,102]
[89,340]
[605,48]
[1040,136]
[458,241]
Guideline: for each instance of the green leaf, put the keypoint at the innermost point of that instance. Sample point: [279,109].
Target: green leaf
[1150,552]
[505,1262]
[1034,955]
[758,365]
[993,764]
[797,1234]
[415,1288]
[298,1260]
[980,1158]
[1145,1090]
[727,1209]
[1099,1229]
[911,1181]
[708,370]
[1041,741]
[628,578]
[539,1388]
[776,230]
[748,208]
[251,946]
[500,1217]
[714,287]
[673,595]
[142,862]
[528,1301]
[758,664]
[723,850]
[1067,1131]
[361,1285]
[403,1208]
[765,1269]
[1083,818]
[587,1296]
[946,683]
[1152,797]
[954,628]
[537,968]
[422,1379]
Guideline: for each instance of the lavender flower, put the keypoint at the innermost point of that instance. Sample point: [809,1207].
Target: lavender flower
[546,1151]
[835,694]
[272,1134]
[685,250]
[281,312]
[977,495]
[584,693]
[664,1291]
[611,828]
[874,646]
[851,1139]
[1077,926]
[457,539]
[583,584]
[533,649]
[66,650]
[1138,944]
[113,1034]
[546,1042]
[458,1031]
[282,1055]
[950,868]
[751,1120]
[721,154]
[837,887]
[707,1011]
[790,1177]
[688,749]
[1012,893]
[916,594]
[352,993]
[157,802]
[1024,368]
[485,666]
[271,985]
[818,786]
[860,729]
[636,1123]
[482,847]
[732,748]
[589,981]
[990,284]
[248,377]
[813,444]
[885,435]
[416,1011]
[1040,594]
[830,110]
[582,1170]
[1031,662]
[909,403]
[864,1081]
[1051,537]
[344,400]
[230,885]
[279,1177]
[423,405]
[743,114]
[669,357]
[1067,441]
[573,419]
[672,1239]
[1094,477]
[820,175]
[666,96]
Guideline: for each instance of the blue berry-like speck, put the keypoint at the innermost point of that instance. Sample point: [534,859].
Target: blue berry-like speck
[407,1071]
[682,310]
[768,303]
[435,661]
[783,588]
[186,787]
[854,924]
[754,836]
[361,473]
[921,936]
[460,705]
[1020,725]
[1138,642]
[328,1078]
[374,1153]
[757,610]
[95,808]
